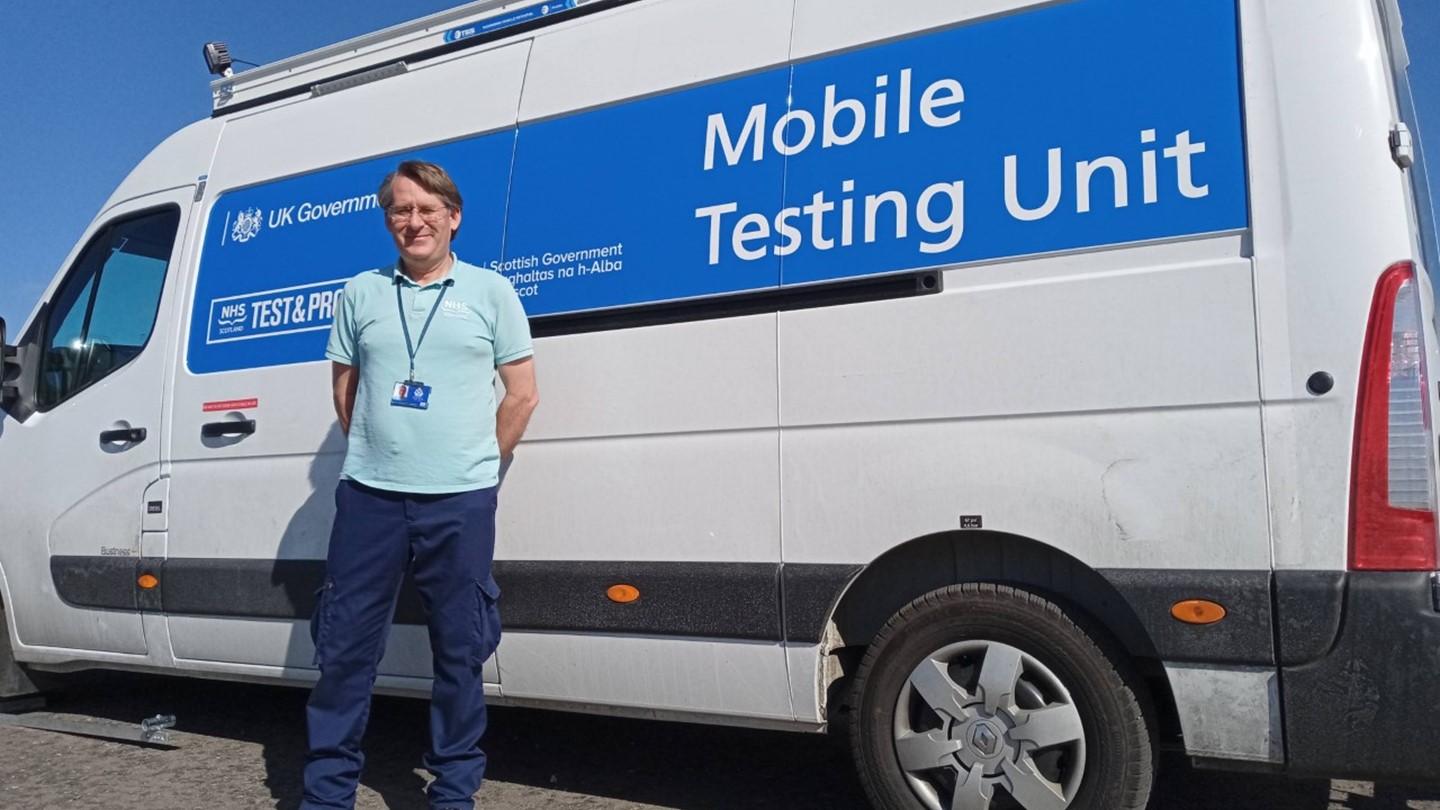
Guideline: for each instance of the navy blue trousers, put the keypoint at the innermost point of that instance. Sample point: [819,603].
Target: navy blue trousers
[450,541]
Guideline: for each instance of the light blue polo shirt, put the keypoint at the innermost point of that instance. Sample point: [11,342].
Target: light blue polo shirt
[451,446]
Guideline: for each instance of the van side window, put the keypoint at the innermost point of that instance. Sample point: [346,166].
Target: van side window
[102,316]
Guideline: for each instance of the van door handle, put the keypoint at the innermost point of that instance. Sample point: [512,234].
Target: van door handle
[237,427]
[122,436]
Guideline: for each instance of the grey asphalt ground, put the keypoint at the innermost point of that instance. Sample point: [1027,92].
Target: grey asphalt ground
[241,746]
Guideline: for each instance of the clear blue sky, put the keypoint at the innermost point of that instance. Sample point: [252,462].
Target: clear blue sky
[87,89]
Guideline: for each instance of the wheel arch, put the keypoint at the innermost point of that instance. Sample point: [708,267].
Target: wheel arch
[935,561]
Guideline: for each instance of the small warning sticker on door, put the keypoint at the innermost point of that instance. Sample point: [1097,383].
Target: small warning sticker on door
[231,405]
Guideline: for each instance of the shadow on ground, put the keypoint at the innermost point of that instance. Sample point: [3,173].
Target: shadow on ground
[686,767]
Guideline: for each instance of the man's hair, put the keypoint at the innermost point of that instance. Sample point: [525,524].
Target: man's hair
[428,176]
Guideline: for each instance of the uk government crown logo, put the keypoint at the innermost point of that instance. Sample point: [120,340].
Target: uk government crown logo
[247,224]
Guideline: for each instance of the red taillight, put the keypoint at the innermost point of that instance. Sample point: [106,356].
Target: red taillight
[1392,496]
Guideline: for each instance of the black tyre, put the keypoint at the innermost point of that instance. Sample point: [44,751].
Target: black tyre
[987,697]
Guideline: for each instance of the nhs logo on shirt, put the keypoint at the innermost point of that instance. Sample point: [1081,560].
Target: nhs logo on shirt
[455,309]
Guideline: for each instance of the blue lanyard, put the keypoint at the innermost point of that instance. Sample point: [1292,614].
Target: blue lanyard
[413,349]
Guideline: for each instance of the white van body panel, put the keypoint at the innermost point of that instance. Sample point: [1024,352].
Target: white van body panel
[698,677]
[690,442]
[300,136]
[732,391]
[1314,155]
[877,415]
[180,160]
[829,26]
[667,469]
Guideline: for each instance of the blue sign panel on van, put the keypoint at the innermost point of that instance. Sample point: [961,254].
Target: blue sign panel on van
[307,307]
[534,12]
[276,256]
[1004,138]
[1014,137]
[602,209]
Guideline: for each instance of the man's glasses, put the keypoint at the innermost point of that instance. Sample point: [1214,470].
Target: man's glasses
[400,214]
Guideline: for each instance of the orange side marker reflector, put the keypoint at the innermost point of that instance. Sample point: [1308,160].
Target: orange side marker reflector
[147,581]
[623,594]
[1197,611]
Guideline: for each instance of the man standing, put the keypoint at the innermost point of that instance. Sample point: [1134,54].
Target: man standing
[415,348]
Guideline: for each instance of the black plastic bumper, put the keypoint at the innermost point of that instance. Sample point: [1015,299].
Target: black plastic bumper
[1369,708]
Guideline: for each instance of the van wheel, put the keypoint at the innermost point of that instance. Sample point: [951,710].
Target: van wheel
[986,697]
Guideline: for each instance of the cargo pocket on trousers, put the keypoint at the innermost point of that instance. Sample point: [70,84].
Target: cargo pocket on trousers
[485,636]
[320,619]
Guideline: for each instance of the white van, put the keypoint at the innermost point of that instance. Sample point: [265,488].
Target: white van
[1020,384]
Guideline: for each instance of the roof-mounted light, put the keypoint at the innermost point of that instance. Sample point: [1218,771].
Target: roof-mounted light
[217,59]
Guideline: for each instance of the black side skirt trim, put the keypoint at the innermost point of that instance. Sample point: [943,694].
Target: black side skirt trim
[811,593]
[718,600]
[1308,609]
[99,582]
[1369,708]
[749,601]
[703,600]
[1244,636]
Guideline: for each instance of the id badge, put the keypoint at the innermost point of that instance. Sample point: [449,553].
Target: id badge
[411,394]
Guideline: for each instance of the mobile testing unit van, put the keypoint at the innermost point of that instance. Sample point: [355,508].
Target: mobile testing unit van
[1017,385]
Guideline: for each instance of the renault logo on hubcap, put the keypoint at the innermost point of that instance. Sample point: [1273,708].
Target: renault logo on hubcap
[984,739]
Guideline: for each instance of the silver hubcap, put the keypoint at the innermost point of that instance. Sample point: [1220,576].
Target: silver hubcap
[982,725]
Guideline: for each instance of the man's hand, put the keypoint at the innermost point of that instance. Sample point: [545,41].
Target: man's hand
[521,397]
[344,380]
